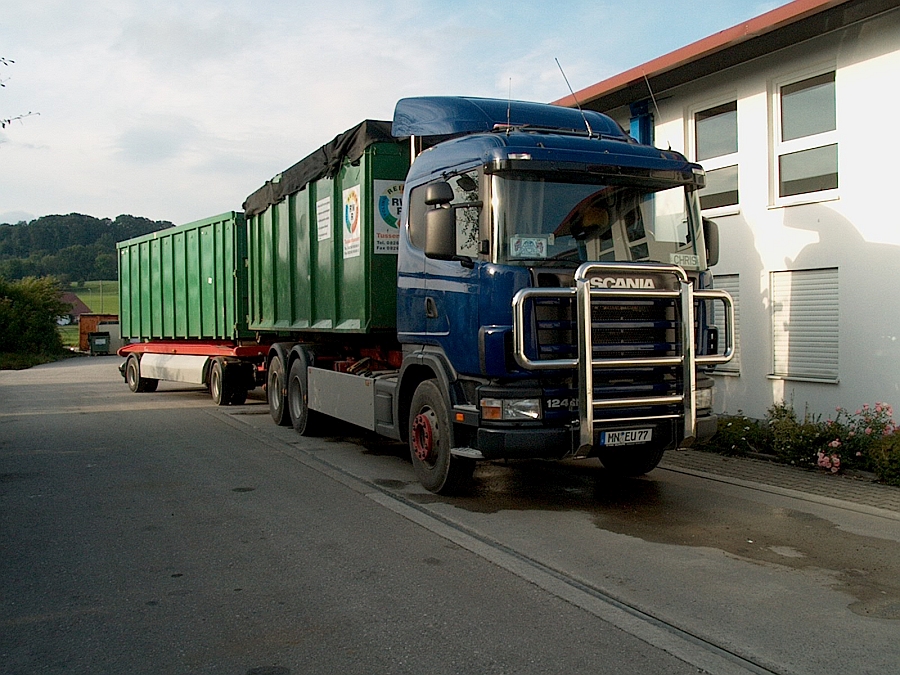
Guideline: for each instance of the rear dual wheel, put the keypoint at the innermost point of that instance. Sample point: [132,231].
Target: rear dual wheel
[306,422]
[276,392]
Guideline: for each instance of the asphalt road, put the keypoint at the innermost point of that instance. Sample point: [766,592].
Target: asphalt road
[156,533]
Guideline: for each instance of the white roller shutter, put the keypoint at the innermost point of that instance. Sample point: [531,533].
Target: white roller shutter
[731,284]
[805,324]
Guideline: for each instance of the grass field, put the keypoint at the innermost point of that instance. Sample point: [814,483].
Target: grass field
[101,296]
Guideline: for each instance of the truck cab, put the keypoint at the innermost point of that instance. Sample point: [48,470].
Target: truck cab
[556,274]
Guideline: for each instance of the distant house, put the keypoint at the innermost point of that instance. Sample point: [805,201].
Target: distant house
[780,111]
[78,308]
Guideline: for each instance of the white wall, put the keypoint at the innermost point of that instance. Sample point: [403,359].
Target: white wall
[858,231]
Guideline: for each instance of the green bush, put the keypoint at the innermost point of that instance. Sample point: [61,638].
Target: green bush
[796,441]
[28,311]
[885,458]
[738,435]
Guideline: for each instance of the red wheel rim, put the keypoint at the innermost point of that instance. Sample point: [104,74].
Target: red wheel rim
[423,436]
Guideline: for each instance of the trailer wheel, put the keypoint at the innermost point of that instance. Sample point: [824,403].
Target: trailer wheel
[239,396]
[629,462]
[306,422]
[430,440]
[218,386]
[276,392]
[136,383]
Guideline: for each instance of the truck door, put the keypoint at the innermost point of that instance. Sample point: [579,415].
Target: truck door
[451,287]
[411,270]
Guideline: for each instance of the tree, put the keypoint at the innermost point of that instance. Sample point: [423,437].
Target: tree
[6,121]
[28,312]
[69,247]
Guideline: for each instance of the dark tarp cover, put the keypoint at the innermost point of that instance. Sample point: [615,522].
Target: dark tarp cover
[326,161]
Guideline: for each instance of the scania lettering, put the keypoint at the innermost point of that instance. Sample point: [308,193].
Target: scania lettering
[622,283]
[544,291]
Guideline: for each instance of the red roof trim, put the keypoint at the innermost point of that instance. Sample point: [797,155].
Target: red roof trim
[760,25]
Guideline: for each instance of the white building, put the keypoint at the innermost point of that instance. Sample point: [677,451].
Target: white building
[781,111]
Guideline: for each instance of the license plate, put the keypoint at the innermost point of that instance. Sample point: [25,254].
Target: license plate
[627,437]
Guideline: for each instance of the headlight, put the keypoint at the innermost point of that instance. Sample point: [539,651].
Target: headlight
[704,398]
[511,408]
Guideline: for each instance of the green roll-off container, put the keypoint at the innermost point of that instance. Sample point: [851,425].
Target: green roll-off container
[186,282]
[322,238]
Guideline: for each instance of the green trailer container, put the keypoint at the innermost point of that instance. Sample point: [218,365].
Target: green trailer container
[322,238]
[186,282]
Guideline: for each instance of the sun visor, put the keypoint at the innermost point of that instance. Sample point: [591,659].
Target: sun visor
[446,116]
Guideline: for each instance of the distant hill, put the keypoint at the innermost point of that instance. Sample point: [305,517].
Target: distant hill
[74,247]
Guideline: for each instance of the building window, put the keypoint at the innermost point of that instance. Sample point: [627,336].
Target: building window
[807,151]
[731,284]
[716,146]
[804,305]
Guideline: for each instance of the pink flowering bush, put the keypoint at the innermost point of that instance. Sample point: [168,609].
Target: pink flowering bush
[867,439]
[854,435]
[829,461]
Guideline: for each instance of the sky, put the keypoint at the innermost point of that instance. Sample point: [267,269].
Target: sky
[178,110]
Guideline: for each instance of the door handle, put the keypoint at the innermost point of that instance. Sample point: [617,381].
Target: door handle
[431,311]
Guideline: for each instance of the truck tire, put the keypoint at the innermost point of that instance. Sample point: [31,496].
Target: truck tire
[238,396]
[629,462]
[276,392]
[220,386]
[430,440]
[306,422]
[136,383]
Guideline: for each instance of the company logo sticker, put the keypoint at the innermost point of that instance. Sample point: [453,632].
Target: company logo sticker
[388,207]
[352,229]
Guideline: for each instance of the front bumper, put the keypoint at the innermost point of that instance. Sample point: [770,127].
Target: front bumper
[562,442]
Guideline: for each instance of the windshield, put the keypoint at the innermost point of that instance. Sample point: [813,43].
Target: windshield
[539,219]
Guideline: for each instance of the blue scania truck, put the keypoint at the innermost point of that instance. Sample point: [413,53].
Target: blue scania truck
[544,291]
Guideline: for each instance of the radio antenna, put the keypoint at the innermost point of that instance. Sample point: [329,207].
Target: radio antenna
[655,106]
[509,105]
[575,98]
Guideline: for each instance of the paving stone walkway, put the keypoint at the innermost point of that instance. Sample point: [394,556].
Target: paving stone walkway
[756,472]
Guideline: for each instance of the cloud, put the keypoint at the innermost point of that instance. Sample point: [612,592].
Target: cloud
[159,138]
[204,101]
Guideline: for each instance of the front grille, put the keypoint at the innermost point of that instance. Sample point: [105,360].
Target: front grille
[620,329]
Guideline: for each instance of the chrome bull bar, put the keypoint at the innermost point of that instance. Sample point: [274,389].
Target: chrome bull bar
[583,294]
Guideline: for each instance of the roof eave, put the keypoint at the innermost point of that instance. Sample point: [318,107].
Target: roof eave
[709,54]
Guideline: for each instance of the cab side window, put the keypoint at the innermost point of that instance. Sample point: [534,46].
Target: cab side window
[417,210]
[465,191]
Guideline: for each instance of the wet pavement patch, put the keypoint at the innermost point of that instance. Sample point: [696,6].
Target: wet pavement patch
[16,477]
[662,511]
[391,484]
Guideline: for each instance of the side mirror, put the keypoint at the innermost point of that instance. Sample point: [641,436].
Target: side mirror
[440,232]
[438,194]
[711,235]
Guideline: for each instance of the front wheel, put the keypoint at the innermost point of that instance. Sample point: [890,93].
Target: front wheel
[631,461]
[430,441]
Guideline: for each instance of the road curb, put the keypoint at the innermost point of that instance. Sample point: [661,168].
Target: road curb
[852,494]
